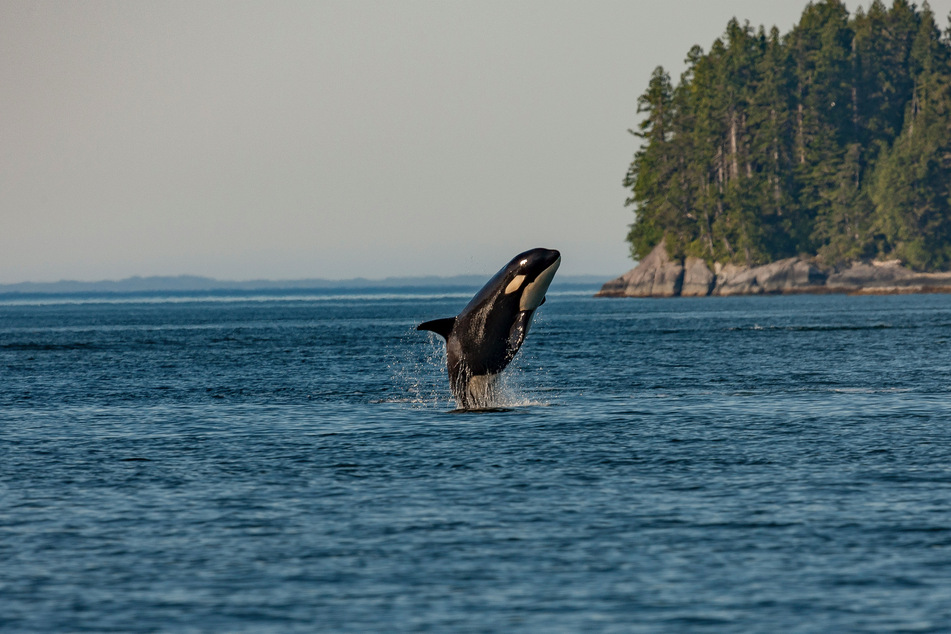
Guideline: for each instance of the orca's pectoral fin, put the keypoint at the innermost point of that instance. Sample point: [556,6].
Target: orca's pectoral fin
[439,326]
[519,331]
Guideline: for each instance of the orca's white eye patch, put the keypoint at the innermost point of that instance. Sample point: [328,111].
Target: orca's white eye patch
[515,284]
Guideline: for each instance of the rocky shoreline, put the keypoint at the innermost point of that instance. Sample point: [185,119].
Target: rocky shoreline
[658,275]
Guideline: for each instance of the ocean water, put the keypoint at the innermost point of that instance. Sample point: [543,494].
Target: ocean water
[293,464]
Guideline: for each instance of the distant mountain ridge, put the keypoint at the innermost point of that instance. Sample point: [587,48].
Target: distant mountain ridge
[199,284]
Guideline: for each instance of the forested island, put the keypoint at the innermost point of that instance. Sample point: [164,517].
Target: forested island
[827,148]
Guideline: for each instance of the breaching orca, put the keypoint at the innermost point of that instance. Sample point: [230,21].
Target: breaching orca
[487,334]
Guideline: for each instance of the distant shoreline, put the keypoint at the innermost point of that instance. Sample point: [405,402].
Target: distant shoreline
[195,286]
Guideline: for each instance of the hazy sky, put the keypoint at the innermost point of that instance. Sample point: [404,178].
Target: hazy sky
[329,139]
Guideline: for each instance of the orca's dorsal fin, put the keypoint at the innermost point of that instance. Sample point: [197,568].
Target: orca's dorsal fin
[439,326]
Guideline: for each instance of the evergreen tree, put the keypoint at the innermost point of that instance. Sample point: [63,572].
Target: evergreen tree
[821,44]
[653,168]
[771,124]
[912,187]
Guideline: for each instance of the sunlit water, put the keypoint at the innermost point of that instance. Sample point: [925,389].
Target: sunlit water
[292,464]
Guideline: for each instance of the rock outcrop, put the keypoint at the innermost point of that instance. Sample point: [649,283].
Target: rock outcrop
[698,278]
[654,276]
[791,275]
[875,275]
[736,280]
[883,278]
[658,275]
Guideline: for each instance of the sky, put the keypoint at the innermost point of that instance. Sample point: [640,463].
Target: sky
[323,139]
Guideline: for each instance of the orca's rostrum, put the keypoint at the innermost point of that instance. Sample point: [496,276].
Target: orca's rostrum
[487,334]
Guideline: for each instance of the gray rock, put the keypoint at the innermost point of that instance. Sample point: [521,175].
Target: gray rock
[615,287]
[736,280]
[791,275]
[886,278]
[935,282]
[654,276]
[861,275]
[659,276]
[698,278]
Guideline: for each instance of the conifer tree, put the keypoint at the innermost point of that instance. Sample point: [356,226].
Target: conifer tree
[912,188]
[653,167]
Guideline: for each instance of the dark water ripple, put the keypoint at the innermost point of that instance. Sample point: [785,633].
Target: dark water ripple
[722,465]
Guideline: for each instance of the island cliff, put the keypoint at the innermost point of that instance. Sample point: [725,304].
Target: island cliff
[659,275]
[818,160]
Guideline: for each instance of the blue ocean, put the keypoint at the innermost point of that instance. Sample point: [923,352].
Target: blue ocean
[294,464]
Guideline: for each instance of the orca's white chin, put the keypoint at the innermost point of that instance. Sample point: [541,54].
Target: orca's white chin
[534,293]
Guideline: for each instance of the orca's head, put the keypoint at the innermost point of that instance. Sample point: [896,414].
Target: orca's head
[529,274]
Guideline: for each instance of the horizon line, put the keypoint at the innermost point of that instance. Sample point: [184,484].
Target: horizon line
[187,282]
[194,276]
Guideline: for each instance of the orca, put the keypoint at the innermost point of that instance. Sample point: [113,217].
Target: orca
[488,333]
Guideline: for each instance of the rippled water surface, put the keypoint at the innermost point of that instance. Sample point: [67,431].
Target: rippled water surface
[293,464]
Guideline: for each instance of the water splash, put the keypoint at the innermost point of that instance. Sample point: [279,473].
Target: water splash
[418,368]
